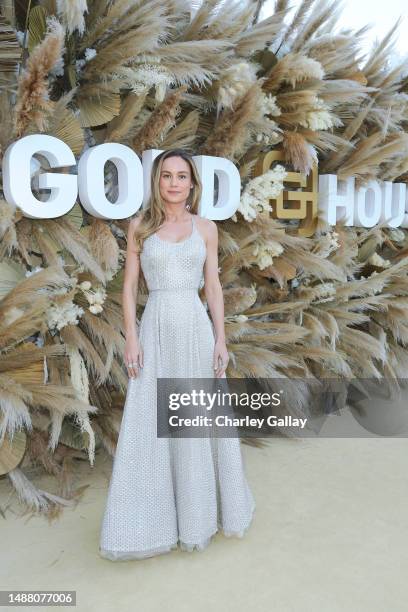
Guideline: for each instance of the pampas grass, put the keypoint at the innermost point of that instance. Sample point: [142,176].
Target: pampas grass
[73,14]
[159,123]
[293,68]
[32,96]
[231,131]
[298,151]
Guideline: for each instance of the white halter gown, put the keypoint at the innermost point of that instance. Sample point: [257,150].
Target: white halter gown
[170,492]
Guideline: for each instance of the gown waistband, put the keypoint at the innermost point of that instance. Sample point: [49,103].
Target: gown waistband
[175,289]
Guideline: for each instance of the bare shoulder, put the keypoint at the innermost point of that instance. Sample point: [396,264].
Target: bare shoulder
[132,228]
[207,227]
[135,222]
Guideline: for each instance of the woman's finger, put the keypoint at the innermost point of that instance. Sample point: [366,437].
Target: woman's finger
[218,365]
[222,368]
[132,369]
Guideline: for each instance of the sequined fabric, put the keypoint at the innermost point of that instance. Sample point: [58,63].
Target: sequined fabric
[166,493]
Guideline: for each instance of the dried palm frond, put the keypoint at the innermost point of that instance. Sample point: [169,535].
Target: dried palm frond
[10,49]
[121,124]
[103,246]
[183,134]
[63,124]
[37,26]
[66,234]
[8,235]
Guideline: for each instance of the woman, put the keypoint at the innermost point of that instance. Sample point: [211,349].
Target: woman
[166,491]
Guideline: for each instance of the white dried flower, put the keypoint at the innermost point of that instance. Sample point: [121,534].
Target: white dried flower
[95,297]
[60,315]
[234,82]
[269,132]
[265,252]
[327,243]
[259,190]
[100,295]
[89,53]
[396,234]
[95,308]
[85,285]
[144,76]
[320,117]
[378,261]
[268,105]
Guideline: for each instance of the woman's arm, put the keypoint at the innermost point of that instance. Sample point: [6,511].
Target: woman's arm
[133,350]
[215,298]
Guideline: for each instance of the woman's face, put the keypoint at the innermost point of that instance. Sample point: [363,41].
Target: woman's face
[175,180]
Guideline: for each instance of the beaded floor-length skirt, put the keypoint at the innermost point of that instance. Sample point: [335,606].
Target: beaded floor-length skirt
[167,492]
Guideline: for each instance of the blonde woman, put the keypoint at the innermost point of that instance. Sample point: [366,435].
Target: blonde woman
[167,492]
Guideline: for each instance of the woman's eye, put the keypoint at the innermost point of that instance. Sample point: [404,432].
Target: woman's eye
[166,176]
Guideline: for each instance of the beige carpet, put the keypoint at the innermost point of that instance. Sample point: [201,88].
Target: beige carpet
[330,534]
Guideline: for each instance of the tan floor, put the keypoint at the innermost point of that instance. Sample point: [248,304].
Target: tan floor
[330,533]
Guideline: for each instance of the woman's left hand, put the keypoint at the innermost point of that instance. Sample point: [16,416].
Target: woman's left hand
[221,358]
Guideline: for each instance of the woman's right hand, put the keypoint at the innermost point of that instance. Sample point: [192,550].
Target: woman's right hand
[134,356]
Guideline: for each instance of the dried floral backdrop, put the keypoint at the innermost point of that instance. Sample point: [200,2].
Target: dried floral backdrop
[216,81]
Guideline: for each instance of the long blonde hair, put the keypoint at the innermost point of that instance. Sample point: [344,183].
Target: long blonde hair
[154,215]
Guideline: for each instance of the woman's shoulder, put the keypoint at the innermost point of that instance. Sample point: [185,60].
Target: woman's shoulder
[207,226]
[204,223]
[133,227]
[135,221]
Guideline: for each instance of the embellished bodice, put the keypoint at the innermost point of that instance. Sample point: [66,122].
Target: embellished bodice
[174,265]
